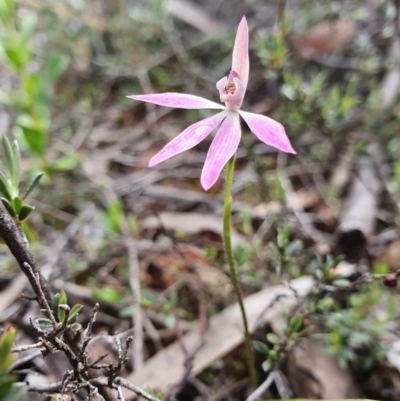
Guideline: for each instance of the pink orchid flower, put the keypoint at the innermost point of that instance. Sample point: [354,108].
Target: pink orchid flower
[232,90]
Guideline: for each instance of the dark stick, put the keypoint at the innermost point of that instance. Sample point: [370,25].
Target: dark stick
[11,235]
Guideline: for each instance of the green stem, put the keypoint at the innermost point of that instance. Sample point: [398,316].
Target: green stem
[230,166]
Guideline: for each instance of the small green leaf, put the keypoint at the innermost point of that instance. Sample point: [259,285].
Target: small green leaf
[273,338]
[6,10]
[296,323]
[17,164]
[75,327]
[7,358]
[62,301]
[55,66]
[6,382]
[294,247]
[261,347]
[17,204]
[63,297]
[55,303]
[64,163]
[44,323]
[8,153]
[14,393]
[128,311]
[267,365]
[6,343]
[31,85]
[74,312]
[34,132]
[25,211]
[8,206]
[5,187]
[341,283]
[112,217]
[35,182]
[107,294]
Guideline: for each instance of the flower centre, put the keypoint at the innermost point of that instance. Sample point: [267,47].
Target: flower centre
[229,90]
[230,87]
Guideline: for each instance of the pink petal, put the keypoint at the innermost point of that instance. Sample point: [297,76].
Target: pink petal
[188,138]
[178,100]
[223,147]
[221,84]
[268,131]
[240,56]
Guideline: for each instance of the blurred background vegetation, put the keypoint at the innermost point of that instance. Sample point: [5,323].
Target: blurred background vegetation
[106,228]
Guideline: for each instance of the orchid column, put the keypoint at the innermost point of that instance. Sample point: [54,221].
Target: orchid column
[223,147]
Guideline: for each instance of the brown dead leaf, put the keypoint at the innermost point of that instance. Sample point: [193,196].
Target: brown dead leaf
[357,218]
[304,199]
[325,38]
[224,333]
[184,260]
[345,269]
[391,81]
[318,375]
[209,275]
[190,223]
[341,174]
[14,290]
[392,255]
[328,215]
[264,209]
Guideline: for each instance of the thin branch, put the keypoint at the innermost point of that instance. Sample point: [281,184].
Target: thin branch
[120,395]
[103,381]
[27,347]
[119,381]
[11,235]
[87,334]
[41,297]
[137,316]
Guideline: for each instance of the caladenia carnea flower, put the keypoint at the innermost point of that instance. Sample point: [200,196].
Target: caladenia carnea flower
[232,90]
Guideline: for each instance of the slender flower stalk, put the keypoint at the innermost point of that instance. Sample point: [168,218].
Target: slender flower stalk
[232,89]
[230,166]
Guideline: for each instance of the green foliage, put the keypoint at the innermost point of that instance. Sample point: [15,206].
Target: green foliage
[352,332]
[6,10]
[9,185]
[283,251]
[29,102]
[107,294]
[322,269]
[352,329]
[112,218]
[8,392]
[59,306]
[318,102]
[278,349]
[273,52]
